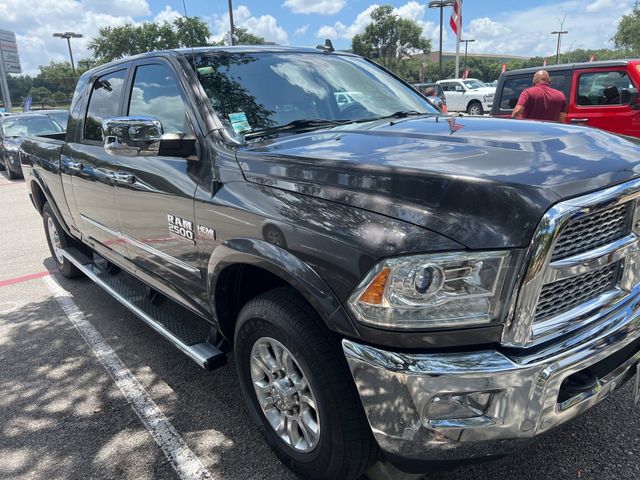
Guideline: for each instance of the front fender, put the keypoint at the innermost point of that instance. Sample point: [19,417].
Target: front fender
[288,267]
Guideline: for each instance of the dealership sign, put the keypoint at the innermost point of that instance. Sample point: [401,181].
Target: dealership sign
[10,55]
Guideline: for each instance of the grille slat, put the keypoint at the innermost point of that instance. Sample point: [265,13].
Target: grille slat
[559,297]
[593,231]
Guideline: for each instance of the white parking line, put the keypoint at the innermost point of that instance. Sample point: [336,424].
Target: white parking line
[184,461]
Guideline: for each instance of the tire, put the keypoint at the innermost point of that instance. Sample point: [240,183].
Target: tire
[344,447]
[10,174]
[53,231]
[475,108]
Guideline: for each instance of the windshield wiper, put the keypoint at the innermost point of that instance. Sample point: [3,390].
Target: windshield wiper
[295,126]
[399,114]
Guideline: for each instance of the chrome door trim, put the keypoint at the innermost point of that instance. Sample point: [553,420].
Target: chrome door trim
[154,251]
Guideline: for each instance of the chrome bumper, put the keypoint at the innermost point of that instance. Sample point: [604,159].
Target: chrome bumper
[398,389]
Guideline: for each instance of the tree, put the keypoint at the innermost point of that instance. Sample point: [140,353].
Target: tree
[59,97]
[245,37]
[58,76]
[121,41]
[628,33]
[389,39]
[40,94]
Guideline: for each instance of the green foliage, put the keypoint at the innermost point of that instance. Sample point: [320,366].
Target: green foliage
[628,33]
[245,37]
[389,39]
[59,97]
[121,41]
[40,94]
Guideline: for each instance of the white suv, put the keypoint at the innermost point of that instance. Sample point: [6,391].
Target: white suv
[468,95]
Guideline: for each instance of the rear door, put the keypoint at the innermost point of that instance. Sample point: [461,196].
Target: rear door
[155,193]
[596,100]
[455,96]
[514,84]
[90,168]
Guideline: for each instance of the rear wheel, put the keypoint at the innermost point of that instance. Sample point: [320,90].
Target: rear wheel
[58,240]
[298,388]
[475,108]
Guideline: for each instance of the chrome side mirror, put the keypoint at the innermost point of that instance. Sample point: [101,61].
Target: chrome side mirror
[132,136]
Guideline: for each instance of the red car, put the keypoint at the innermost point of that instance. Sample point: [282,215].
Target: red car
[600,94]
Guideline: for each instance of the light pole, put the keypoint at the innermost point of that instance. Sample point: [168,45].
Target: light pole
[232,40]
[466,45]
[69,36]
[559,33]
[441,4]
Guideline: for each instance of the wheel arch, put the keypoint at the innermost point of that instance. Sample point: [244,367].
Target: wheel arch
[241,269]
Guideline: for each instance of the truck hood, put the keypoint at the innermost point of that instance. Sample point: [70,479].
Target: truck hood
[482,182]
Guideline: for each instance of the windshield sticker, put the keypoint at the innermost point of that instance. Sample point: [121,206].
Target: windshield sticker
[239,122]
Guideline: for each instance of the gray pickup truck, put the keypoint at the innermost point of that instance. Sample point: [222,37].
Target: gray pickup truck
[391,281]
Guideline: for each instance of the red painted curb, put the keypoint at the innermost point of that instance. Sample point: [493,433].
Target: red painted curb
[24,278]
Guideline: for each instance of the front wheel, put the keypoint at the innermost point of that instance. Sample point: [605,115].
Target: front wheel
[10,174]
[475,108]
[298,388]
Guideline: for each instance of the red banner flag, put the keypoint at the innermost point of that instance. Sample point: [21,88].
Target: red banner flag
[544,63]
[465,74]
[593,57]
[504,67]
[455,13]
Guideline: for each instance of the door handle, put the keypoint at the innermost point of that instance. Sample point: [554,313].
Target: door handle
[75,166]
[123,177]
[579,120]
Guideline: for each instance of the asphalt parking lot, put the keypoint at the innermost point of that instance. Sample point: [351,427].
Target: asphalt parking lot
[62,415]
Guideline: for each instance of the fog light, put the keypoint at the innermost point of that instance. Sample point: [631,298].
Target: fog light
[457,406]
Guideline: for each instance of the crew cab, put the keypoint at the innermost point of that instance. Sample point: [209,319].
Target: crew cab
[600,94]
[467,95]
[390,280]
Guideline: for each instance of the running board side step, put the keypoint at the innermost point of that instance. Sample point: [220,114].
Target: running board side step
[187,333]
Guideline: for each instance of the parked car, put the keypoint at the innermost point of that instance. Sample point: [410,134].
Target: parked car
[59,116]
[390,280]
[468,95]
[13,130]
[599,94]
[421,87]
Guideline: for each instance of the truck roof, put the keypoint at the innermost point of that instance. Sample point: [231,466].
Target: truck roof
[224,48]
[572,66]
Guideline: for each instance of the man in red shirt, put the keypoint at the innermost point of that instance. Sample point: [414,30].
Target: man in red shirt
[541,102]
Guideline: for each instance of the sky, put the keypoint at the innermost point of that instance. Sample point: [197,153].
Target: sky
[498,26]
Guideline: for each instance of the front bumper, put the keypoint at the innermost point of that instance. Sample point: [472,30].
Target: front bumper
[528,397]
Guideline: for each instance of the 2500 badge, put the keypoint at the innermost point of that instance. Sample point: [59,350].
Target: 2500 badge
[181,228]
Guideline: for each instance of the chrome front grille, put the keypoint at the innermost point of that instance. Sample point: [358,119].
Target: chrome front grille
[583,263]
[559,297]
[593,231]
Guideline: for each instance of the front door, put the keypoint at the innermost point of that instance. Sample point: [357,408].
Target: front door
[155,193]
[91,169]
[596,101]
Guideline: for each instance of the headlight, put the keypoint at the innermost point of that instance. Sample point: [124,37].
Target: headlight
[443,290]
[488,98]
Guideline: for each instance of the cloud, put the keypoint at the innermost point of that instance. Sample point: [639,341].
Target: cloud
[412,10]
[167,14]
[301,31]
[323,7]
[132,8]
[34,22]
[266,25]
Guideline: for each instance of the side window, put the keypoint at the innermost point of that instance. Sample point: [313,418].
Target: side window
[446,87]
[602,88]
[511,90]
[155,94]
[103,103]
[562,81]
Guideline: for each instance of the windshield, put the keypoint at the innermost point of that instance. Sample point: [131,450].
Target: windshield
[29,125]
[60,118]
[474,84]
[253,91]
